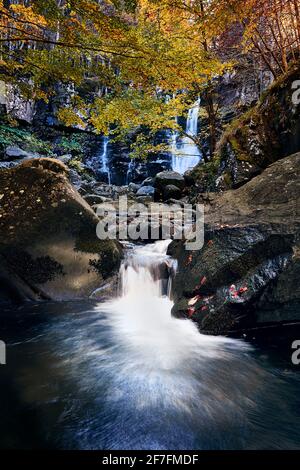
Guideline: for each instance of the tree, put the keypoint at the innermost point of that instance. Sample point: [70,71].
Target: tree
[140,52]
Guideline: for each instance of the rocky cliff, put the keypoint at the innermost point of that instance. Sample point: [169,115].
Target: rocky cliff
[247,274]
[268,131]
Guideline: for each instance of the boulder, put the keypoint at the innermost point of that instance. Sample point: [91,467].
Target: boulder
[133,187]
[148,182]
[13,152]
[146,191]
[246,276]
[48,243]
[166,178]
[171,192]
[93,199]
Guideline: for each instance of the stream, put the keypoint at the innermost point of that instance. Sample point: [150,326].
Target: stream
[124,374]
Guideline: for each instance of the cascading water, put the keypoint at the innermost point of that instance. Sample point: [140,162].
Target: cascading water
[125,374]
[185,153]
[131,166]
[104,159]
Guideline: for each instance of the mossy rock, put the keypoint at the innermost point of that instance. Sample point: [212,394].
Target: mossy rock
[268,131]
[48,233]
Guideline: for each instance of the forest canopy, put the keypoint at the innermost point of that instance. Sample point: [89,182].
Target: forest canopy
[150,59]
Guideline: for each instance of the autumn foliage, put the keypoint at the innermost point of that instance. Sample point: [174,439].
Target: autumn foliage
[140,52]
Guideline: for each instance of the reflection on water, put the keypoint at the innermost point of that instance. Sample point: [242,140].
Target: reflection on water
[125,375]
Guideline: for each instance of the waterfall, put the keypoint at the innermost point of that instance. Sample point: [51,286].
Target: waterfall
[130,169]
[142,315]
[104,159]
[185,154]
[166,378]
[129,376]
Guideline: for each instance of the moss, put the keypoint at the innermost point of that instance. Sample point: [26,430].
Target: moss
[34,270]
[47,164]
[205,174]
[27,140]
[228,179]
[76,165]
[260,135]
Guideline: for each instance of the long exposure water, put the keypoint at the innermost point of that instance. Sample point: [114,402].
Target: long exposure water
[124,374]
[185,153]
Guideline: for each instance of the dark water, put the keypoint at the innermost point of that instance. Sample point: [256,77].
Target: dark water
[73,380]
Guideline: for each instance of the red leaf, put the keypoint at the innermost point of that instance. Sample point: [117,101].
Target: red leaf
[190,311]
[242,290]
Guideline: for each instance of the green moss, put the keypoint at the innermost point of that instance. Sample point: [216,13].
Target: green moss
[37,270]
[73,143]
[26,139]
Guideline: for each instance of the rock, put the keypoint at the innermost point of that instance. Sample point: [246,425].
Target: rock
[144,199]
[267,132]
[14,152]
[146,191]
[75,178]
[133,187]
[6,165]
[65,158]
[148,182]
[188,178]
[247,273]
[166,178]
[48,243]
[171,192]
[93,199]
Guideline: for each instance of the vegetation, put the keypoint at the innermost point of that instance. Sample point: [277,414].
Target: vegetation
[149,58]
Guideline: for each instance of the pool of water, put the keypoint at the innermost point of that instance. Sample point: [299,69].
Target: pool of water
[126,375]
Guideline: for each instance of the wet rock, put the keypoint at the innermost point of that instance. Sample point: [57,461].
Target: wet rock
[148,182]
[48,243]
[75,178]
[171,192]
[133,187]
[166,178]
[93,199]
[65,158]
[247,273]
[146,191]
[14,152]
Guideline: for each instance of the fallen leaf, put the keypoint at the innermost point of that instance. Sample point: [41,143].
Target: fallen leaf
[194,300]
[190,312]
[242,290]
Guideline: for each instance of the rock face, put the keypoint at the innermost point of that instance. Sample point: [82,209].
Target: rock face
[48,243]
[168,184]
[13,152]
[171,192]
[165,178]
[268,131]
[247,273]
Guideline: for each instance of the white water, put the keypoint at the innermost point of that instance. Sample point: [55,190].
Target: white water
[185,154]
[128,375]
[165,361]
[104,159]
[130,169]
